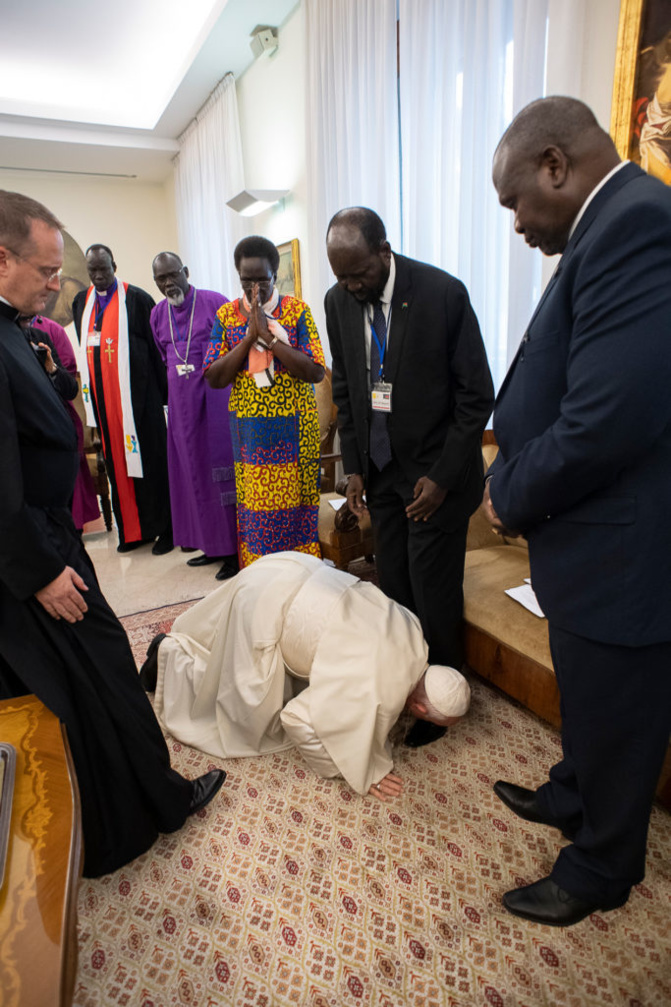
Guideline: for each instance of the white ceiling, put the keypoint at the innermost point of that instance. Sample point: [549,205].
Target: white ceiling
[109,94]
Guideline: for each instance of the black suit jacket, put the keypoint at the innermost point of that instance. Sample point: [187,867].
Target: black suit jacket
[583,422]
[38,465]
[149,393]
[442,388]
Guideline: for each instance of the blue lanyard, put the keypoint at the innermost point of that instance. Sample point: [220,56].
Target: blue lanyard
[181,338]
[100,309]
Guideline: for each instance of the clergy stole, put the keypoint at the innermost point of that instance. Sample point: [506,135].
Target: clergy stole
[111,343]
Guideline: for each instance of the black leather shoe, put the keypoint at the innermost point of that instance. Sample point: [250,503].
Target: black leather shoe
[163,544]
[228,569]
[525,805]
[129,546]
[202,560]
[423,732]
[545,902]
[205,788]
[188,548]
[149,670]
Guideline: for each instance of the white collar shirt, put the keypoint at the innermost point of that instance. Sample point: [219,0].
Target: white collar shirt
[385,299]
[600,185]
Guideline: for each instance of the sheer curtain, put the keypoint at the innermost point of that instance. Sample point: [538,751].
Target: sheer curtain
[466,67]
[209,171]
[352,118]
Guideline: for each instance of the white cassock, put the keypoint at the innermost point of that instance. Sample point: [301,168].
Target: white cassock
[229,667]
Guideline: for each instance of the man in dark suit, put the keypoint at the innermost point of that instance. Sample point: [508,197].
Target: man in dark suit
[583,422]
[59,639]
[125,389]
[414,392]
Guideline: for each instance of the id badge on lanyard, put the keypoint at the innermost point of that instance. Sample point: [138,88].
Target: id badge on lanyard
[380,397]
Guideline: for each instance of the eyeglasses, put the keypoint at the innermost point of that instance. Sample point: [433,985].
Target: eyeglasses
[165,277]
[48,274]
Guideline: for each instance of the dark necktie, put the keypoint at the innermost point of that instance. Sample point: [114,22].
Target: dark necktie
[380,446]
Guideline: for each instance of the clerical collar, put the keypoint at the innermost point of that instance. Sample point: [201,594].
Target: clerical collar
[106,295]
[101,302]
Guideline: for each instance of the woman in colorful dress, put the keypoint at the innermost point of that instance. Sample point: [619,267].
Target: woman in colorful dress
[266,345]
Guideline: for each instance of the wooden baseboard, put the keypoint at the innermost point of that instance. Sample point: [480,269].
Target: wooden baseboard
[518,676]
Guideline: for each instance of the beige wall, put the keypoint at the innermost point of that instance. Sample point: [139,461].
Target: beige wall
[135,219]
[271,106]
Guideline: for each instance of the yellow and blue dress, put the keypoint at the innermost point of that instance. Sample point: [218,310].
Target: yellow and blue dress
[275,435]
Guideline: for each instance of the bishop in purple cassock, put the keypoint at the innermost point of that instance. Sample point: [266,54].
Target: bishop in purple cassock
[200,456]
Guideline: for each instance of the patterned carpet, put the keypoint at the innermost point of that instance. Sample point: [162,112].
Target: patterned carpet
[291,890]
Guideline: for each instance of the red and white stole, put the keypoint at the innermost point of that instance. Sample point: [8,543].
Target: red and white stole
[130,439]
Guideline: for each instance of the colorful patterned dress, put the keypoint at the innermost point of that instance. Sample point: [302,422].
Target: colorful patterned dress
[275,435]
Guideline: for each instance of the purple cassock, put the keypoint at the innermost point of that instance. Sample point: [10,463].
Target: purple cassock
[200,456]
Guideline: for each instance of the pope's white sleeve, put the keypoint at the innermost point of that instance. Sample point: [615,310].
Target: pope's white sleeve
[295,719]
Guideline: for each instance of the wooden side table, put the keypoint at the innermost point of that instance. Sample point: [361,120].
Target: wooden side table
[38,899]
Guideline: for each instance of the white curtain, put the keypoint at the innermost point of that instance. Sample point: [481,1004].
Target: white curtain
[466,67]
[352,119]
[209,171]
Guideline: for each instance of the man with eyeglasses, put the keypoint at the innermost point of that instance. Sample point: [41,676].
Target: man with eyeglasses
[125,389]
[59,639]
[200,453]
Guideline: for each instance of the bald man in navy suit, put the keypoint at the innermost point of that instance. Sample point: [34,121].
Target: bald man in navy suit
[583,422]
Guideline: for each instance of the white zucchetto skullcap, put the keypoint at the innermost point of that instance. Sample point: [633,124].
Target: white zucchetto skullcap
[447,690]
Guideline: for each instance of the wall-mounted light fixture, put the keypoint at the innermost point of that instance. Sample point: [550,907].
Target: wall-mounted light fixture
[249,202]
[264,40]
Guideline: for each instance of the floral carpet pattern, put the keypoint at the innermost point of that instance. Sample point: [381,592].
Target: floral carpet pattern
[292,891]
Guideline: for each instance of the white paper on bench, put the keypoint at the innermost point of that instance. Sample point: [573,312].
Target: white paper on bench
[524,594]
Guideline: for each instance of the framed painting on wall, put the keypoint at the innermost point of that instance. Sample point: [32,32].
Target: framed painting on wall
[641,113]
[289,273]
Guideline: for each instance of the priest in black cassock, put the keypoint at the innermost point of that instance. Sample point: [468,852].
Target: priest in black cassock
[125,388]
[59,639]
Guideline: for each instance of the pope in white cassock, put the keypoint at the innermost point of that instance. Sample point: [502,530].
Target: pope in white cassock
[292,652]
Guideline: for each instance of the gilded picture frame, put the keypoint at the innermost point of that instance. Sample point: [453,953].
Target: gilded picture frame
[641,109]
[289,273]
